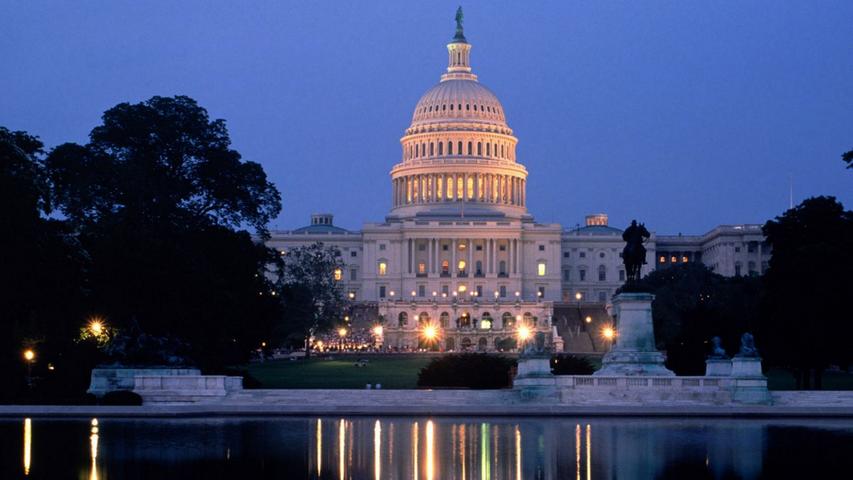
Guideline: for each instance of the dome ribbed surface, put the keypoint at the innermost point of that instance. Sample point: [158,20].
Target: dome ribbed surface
[459,101]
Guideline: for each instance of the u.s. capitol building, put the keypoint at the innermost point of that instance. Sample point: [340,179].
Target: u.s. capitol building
[460,251]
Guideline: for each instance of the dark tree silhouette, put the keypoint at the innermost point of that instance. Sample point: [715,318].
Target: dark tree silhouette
[159,200]
[848,158]
[693,304]
[805,321]
[41,263]
[312,298]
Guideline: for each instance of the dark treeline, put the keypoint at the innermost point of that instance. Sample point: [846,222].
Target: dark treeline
[149,226]
[798,310]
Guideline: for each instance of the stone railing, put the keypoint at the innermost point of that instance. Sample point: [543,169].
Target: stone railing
[634,382]
[185,388]
[110,379]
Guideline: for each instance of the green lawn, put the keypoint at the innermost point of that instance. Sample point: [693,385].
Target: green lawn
[401,371]
[391,371]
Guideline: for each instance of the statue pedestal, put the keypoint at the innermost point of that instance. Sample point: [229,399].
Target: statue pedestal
[634,352]
[534,378]
[749,385]
[718,367]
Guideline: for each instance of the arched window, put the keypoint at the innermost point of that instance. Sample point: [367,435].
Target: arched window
[482,344]
[488,149]
[478,266]
[451,107]
[479,148]
[467,106]
[444,107]
[450,187]
[486,321]
[450,148]
[502,268]
[416,151]
[441,148]
[470,148]
[423,319]
[470,187]
[529,319]
[507,320]
[444,319]
[402,319]
[445,267]
[423,149]
[602,273]
[459,150]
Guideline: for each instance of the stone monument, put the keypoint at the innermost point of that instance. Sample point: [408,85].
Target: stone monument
[534,377]
[718,363]
[750,384]
[634,351]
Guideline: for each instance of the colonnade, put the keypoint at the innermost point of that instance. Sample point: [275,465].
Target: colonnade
[473,187]
[491,256]
[431,149]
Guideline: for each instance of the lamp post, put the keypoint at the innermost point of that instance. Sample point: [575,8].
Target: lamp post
[578,297]
[29,357]
[342,332]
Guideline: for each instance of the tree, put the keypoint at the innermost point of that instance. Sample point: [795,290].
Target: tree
[848,158]
[41,262]
[804,313]
[160,202]
[693,304]
[161,164]
[312,298]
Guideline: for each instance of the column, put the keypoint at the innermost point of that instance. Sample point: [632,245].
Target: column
[470,258]
[476,188]
[453,257]
[429,256]
[511,255]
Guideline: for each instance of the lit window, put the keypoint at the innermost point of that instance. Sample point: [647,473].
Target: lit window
[339,274]
[445,266]
[541,269]
[462,288]
[673,259]
[383,268]
[485,324]
[422,268]
[662,259]
[462,265]
[684,259]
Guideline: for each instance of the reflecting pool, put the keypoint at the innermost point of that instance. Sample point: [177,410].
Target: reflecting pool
[424,448]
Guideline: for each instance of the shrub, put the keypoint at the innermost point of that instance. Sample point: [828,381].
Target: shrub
[121,397]
[467,370]
[570,365]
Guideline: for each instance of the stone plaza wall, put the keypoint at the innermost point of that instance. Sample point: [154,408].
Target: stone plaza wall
[110,379]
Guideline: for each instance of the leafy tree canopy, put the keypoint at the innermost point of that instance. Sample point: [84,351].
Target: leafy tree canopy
[161,162]
[805,312]
[312,298]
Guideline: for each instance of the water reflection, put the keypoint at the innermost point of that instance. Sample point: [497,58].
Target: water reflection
[423,449]
[28,445]
[93,449]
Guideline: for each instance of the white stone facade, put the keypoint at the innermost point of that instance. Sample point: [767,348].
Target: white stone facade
[459,239]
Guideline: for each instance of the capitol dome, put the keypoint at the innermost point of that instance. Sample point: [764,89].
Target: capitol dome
[459,152]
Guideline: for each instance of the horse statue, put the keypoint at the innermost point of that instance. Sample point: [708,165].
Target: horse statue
[634,253]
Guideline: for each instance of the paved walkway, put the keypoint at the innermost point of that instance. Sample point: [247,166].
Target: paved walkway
[443,403]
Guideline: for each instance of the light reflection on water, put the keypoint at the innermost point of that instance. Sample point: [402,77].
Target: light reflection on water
[422,449]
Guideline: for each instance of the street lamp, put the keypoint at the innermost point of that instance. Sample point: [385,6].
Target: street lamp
[609,334]
[30,357]
[588,319]
[342,332]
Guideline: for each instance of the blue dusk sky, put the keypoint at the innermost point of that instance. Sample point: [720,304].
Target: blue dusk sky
[683,114]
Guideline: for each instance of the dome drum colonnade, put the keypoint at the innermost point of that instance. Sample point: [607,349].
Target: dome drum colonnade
[459,147]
